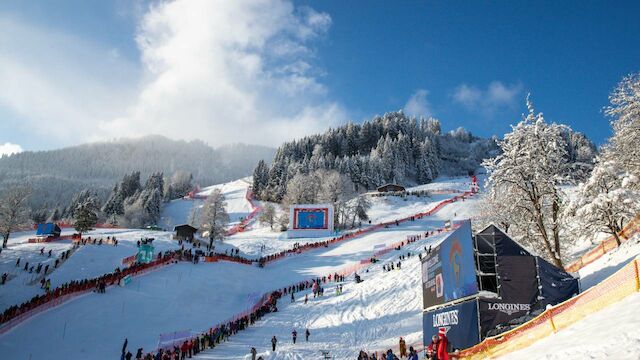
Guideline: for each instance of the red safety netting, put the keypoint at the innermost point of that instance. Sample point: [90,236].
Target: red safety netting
[632,228]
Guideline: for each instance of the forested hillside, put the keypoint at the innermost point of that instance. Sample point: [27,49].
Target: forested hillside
[56,175]
[390,148]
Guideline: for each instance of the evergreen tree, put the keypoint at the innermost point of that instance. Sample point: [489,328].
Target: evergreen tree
[260,178]
[115,204]
[85,215]
[55,215]
[130,184]
[155,182]
[39,216]
[152,203]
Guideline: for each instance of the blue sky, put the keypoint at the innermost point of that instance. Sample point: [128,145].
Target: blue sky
[269,70]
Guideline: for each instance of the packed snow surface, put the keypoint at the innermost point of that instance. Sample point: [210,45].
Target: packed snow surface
[612,333]
[371,315]
[184,296]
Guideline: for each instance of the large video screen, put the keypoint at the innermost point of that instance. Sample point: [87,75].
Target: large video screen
[310,218]
[448,272]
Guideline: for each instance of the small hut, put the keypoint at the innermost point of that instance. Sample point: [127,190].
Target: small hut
[48,230]
[391,188]
[184,232]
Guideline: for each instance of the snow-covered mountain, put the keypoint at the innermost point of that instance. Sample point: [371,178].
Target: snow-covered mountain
[55,175]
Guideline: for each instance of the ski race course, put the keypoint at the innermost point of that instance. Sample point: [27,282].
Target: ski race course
[184,297]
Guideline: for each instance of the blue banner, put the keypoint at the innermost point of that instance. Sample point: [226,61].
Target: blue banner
[311,218]
[460,322]
[449,272]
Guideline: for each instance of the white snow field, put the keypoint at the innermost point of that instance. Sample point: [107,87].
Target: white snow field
[184,296]
[371,315]
[180,211]
[612,333]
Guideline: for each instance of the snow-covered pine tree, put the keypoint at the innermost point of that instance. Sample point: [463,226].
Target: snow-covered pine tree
[130,184]
[260,178]
[114,206]
[80,198]
[55,215]
[85,215]
[38,216]
[214,216]
[155,181]
[152,204]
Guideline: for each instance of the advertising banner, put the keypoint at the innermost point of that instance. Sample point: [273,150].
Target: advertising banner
[448,272]
[145,254]
[460,322]
[311,218]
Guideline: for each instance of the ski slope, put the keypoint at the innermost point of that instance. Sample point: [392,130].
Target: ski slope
[185,211]
[194,297]
[613,333]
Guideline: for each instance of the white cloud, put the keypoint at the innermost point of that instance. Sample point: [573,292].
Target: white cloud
[9,148]
[221,71]
[230,71]
[56,85]
[495,97]
[418,105]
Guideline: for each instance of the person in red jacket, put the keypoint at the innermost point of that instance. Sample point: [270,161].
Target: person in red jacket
[443,345]
[184,349]
[432,348]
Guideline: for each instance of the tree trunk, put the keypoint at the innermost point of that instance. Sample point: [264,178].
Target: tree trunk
[5,240]
[614,232]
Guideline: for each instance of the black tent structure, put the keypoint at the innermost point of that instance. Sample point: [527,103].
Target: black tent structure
[482,285]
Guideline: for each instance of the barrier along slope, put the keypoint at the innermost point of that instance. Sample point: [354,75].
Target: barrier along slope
[252,215]
[17,314]
[613,289]
[268,300]
[607,245]
[352,235]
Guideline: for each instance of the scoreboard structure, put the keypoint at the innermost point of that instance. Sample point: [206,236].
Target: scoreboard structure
[310,220]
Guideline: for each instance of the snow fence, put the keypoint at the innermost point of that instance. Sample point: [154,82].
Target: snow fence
[632,228]
[252,215]
[613,289]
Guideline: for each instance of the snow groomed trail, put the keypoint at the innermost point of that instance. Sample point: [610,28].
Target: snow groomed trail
[165,301]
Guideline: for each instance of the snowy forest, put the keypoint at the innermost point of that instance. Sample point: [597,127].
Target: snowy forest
[392,148]
[539,196]
[54,176]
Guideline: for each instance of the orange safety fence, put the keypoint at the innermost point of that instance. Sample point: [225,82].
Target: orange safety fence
[632,228]
[63,293]
[255,209]
[352,235]
[613,289]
